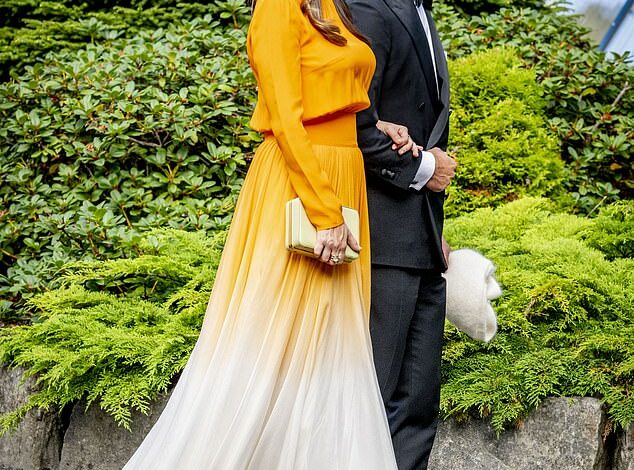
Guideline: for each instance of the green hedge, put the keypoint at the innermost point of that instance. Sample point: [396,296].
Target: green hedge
[589,97]
[499,133]
[100,144]
[471,7]
[117,332]
[30,29]
[566,319]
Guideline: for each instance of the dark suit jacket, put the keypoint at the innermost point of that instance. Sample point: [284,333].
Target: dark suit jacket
[405,225]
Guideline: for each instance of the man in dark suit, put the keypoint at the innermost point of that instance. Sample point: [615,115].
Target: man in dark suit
[405,194]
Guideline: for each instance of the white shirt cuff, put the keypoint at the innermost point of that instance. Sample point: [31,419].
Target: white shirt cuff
[425,170]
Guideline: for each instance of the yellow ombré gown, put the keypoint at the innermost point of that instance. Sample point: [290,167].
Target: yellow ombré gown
[282,376]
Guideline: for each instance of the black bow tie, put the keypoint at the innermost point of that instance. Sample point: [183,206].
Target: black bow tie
[426,3]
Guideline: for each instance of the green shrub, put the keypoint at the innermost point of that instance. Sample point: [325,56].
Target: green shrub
[613,231]
[479,6]
[499,132]
[589,96]
[17,12]
[566,319]
[116,332]
[99,144]
[32,29]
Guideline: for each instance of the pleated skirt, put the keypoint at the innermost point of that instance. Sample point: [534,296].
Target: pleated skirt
[281,377]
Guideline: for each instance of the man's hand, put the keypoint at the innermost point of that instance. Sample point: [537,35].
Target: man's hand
[445,170]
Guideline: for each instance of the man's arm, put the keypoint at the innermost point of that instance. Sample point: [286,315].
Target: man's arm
[380,159]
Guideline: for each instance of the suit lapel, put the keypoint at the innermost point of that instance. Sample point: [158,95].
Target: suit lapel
[441,61]
[443,81]
[408,16]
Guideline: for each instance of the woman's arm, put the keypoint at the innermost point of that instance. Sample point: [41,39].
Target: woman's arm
[274,46]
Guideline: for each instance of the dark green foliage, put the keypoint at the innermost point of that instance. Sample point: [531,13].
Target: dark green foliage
[566,317]
[499,133]
[590,98]
[31,29]
[99,144]
[117,332]
[481,6]
[18,12]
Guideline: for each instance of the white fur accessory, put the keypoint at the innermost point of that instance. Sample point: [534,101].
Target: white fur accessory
[471,285]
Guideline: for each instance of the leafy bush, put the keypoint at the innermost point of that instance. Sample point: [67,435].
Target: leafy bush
[480,6]
[100,144]
[117,332]
[31,29]
[18,12]
[613,231]
[566,319]
[500,133]
[589,96]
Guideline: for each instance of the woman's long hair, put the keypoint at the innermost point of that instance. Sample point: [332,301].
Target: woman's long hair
[312,9]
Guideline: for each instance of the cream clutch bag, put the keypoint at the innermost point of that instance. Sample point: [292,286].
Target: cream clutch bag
[301,234]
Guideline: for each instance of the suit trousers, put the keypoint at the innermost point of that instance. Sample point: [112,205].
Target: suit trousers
[406,325]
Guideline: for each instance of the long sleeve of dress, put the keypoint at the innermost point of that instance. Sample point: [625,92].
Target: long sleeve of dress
[274,46]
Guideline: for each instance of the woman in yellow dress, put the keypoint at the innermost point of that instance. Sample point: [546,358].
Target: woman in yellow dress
[282,376]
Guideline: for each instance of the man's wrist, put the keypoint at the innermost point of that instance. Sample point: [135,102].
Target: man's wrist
[425,170]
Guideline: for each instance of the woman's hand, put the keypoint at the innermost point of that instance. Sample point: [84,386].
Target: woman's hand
[331,244]
[400,136]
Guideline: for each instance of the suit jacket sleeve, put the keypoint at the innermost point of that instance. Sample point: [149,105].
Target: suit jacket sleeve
[274,44]
[380,159]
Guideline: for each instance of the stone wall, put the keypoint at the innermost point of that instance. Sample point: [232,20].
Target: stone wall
[37,442]
[563,434]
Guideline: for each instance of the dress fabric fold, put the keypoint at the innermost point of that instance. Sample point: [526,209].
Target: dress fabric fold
[282,374]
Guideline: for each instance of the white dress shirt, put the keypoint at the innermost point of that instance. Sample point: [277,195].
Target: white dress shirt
[427,160]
